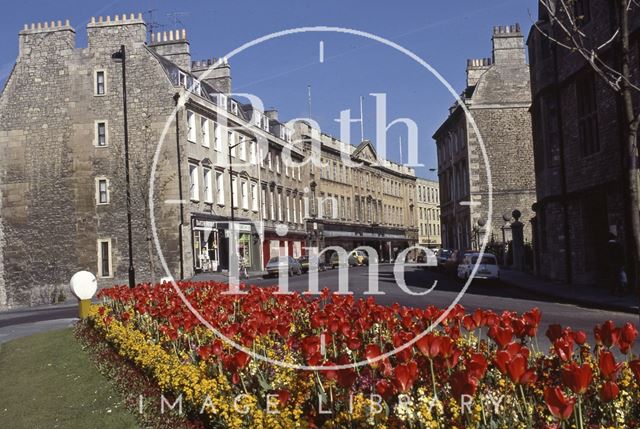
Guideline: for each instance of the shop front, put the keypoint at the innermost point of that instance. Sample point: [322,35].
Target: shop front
[211,238]
[293,244]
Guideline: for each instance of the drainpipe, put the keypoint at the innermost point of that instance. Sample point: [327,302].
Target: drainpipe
[176,97]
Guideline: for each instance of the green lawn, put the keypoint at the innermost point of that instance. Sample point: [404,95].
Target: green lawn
[48,381]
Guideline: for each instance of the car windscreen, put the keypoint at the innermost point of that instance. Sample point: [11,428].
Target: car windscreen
[486,260]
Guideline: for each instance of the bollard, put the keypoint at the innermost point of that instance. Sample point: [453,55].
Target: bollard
[83,285]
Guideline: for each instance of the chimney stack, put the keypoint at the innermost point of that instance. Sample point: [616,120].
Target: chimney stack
[174,46]
[508,45]
[219,77]
[476,68]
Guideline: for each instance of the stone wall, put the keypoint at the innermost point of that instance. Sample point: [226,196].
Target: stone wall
[50,160]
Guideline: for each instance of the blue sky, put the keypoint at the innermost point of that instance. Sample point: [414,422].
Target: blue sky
[443,33]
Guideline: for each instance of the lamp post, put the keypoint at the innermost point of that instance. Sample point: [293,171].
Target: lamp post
[121,56]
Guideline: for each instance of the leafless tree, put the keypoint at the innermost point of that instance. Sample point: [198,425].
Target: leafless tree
[565,29]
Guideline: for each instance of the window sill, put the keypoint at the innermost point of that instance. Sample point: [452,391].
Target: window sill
[99,95]
[194,200]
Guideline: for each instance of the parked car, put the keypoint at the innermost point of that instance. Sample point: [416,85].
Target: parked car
[487,269]
[304,264]
[334,261]
[360,257]
[454,260]
[442,256]
[291,264]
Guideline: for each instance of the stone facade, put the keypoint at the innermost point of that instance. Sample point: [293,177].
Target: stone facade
[498,98]
[62,161]
[358,199]
[578,152]
[428,212]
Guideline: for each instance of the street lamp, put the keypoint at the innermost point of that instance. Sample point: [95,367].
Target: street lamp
[121,56]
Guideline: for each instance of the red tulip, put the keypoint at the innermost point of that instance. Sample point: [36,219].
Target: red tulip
[384,389]
[628,335]
[577,378]
[634,365]
[463,383]
[608,333]
[559,405]
[241,359]
[371,352]
[564,348]
[283,397]
[429,345]
[554,332]
[477,365]
[609,391]
[608,367]
[405,375]
[518,371]
[502,336]
[580,337]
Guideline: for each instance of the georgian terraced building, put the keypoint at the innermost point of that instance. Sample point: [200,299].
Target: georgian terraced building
[358,199]
[428,212]
[218,158]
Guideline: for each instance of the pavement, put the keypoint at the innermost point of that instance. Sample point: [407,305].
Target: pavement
[588,296]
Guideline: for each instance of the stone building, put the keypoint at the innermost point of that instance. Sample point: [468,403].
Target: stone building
[498,98]
[578,150]
[428,212]
[62,189]
[357,199]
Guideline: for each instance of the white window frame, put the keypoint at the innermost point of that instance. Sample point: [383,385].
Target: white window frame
[100,272]
[265,214]
[219,188]
[244,194]
[280,214]
[254,197]
[242,148]
[106,181]
[191,126]
[252,152]
[231,141]
[234,192]
[272,205]
[204,130]
[96,141]
[194,186]
[217,136]
[208,185]
[288,206]
[269,161]
[95,82]
[278,164]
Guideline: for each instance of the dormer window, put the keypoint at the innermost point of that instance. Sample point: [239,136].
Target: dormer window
[234,107]
[222,101]
[257,118]
[182,79]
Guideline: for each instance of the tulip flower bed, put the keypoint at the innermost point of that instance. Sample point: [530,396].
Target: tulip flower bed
[475,370]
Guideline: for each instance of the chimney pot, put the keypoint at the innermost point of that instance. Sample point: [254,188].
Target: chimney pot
[170,35]
[140,15]
[116,18]
[108,18]
[132,16]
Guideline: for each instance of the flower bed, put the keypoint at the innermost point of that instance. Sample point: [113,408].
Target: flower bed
[476,370]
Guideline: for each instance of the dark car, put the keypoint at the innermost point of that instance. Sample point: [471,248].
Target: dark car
[304,264]
[442,257]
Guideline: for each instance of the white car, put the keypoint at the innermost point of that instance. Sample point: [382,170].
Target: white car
[487,269]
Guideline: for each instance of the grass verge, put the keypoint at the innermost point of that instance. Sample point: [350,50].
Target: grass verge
[49,381]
